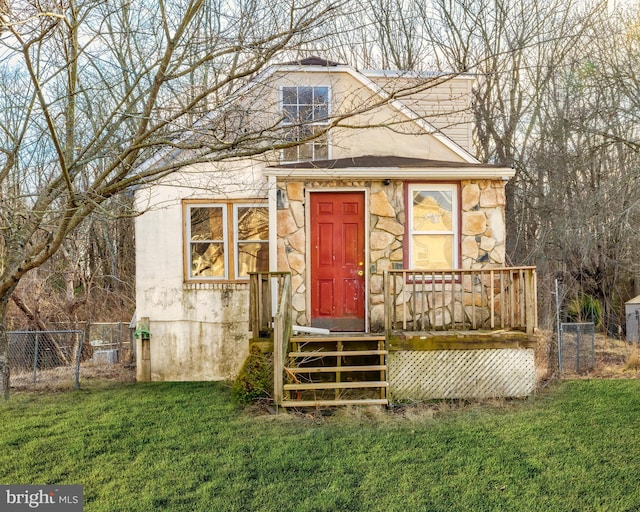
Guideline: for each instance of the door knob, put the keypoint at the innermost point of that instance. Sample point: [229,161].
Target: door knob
[360,273]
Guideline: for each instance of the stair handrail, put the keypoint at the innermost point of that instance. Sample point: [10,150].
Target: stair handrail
[264,290]
[282,330]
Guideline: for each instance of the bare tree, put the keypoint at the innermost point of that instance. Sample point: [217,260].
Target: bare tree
[581,191]
[91,89]
[557,99]
[91,277]
[542,106]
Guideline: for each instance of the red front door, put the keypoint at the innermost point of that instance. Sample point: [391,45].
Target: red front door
[337,260]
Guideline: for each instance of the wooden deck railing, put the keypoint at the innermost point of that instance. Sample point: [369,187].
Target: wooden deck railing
[266,289]
[492,298]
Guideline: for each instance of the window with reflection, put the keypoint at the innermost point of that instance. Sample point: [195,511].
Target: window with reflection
[305,112]
[252,239]
[433,226]
[226,241]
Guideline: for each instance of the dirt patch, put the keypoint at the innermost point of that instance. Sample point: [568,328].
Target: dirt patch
[107,372]
[615,359]
[63,378]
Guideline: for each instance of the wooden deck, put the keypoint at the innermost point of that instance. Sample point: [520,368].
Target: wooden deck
[448,334]
[459,340]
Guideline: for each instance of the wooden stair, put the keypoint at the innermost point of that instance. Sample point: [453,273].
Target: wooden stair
[336,369]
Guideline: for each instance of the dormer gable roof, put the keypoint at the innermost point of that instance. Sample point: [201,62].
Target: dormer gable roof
[318,64]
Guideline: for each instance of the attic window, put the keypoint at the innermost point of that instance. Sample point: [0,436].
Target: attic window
[305,112]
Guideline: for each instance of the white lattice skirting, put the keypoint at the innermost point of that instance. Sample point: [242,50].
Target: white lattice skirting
[438,374]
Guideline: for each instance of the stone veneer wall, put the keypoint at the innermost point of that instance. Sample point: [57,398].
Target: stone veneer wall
[482,233]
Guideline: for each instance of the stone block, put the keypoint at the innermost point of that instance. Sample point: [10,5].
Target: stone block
[376,284]
[286,223]
[470,247]
[492,197]
[487,243]
[471,299]
[390,225]
[298,302]
[297,211]
[297,284]
[481,315]
[381,206]
[442,317]
[380,240]
[498,254]
[296,263]
[301,318]
[377,317]
[384,264]
[283,261]
[376,255]
[295,191]
[497,225]
[403,297]
[470,197]
[377,298]
[458,313]
[440,299]
[297,241]
[474,223]
[396,255]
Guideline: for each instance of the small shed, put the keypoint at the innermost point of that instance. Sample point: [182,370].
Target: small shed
[632,313]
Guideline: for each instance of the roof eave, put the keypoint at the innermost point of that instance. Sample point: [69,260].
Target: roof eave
[400,173]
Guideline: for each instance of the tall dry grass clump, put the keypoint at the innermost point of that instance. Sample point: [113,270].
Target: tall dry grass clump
[633,361]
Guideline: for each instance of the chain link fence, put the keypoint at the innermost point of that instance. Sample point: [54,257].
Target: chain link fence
[576,347]
[112,342]
[55,359]
[46,359]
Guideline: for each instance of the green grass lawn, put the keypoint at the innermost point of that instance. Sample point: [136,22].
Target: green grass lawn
[184,447]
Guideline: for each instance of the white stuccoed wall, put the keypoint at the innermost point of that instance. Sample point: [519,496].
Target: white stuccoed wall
[199,331]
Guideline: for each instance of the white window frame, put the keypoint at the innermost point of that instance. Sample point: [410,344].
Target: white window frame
[229,240]
[455,221]
[323,123]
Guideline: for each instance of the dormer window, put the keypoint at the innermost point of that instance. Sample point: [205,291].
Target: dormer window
[305,111]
